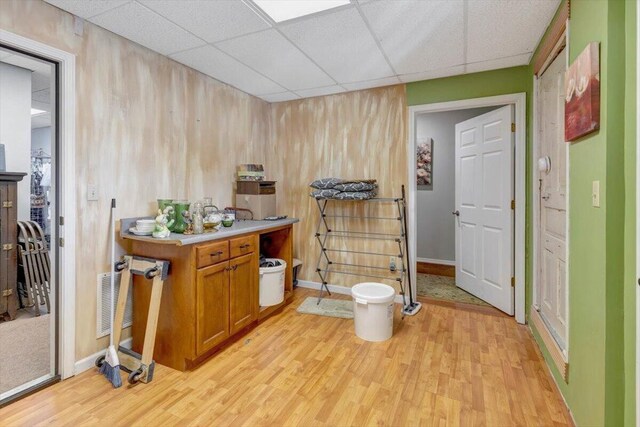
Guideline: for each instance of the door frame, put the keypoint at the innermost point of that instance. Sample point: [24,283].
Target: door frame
[66,113]
[519,101]
[637,222]
[559,356]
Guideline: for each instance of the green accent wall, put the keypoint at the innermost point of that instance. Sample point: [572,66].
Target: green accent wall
[601,384]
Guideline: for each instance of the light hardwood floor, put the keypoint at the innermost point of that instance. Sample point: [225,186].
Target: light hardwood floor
[445,366]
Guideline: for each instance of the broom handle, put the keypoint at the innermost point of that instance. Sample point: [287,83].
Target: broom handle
[113,261]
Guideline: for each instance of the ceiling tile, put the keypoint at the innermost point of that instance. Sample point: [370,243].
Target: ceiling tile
[499,28]
[418,35]
[320,91]
[372,83]
[280,97]
[211,61]
[210,20]
[143,26]
[495,64]
[276,58]
[341,44]
[432,74]
[87,8]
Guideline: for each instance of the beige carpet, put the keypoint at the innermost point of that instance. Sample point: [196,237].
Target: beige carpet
[24,349]
[444,288]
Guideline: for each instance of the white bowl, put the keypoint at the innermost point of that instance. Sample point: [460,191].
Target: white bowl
[145,224]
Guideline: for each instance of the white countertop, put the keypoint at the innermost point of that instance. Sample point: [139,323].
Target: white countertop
[238,228]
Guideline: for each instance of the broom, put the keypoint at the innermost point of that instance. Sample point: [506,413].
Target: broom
[110,367]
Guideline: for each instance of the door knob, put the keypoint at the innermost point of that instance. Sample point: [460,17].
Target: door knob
[456,213]
[546,196]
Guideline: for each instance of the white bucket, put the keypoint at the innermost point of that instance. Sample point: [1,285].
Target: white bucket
[272,283]
[373,311]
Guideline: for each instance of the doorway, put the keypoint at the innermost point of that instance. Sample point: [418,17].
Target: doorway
[517,102]
[436,201]
[28,297]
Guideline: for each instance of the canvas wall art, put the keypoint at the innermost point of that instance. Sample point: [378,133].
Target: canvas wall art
[582,94]
[423,162]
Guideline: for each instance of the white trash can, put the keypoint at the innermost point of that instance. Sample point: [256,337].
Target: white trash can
[272,283]
[373,311]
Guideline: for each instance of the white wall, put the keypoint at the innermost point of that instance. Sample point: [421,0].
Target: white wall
[15,128]
[435,223]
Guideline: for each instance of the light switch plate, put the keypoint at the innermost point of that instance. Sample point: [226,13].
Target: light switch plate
[595,194]
[92,192]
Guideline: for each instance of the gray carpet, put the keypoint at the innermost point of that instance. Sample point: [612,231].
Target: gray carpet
[24,350]
[327,307]
[444,288]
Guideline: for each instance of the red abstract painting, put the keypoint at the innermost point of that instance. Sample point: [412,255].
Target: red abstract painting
[582,94]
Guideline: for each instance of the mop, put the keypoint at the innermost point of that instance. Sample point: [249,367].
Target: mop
[110,366]
[414,306]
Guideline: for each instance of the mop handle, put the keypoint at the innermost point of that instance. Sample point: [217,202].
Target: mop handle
[406,244]
[111,268]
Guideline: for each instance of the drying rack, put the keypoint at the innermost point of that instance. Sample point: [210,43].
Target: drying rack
[330,263]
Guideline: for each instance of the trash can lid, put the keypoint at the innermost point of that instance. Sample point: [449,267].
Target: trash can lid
[373,292]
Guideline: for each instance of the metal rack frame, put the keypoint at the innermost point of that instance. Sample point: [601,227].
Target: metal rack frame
[324,232]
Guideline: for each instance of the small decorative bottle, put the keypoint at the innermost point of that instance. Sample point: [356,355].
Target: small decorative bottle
[197,219]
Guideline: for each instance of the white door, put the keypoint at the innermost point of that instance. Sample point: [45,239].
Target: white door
[484,193]
[552,254]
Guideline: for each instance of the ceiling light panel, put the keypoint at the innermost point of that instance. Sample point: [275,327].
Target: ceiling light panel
[276,58]
[210,20]
[210,61]
[283,10]
[87,8]
[498,28]
[341,44]
[136,22]
[418,35]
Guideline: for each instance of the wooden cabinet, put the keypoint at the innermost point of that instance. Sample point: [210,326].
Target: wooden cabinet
[212,299]
[9,243]
[211,294]
[243,295]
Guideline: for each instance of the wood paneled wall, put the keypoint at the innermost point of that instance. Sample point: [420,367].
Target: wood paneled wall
[147,127]
[359,134]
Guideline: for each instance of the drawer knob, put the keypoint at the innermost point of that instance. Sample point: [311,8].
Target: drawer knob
[217,253]
[244,246]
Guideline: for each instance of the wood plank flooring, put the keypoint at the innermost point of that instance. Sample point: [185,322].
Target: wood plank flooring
[444,366]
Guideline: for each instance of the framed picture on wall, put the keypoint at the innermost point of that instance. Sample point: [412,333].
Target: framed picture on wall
[582,94]
[423,163]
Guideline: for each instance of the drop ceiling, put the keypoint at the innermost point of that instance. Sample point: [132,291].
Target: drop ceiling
[364,44]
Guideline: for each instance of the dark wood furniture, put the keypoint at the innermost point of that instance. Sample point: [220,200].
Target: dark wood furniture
[9,242]
[211,295]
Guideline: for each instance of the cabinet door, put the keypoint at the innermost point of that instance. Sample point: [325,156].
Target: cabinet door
[243,285]
[212,295]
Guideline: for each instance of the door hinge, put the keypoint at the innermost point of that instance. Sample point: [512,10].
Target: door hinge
[61,242]
[7,204]
[513,204]
[7,246]
[61,220]
[7,292]
[513,127]
[513,282]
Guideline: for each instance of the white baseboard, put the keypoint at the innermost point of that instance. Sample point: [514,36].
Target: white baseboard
[89,361]
[338,289]
[436,261]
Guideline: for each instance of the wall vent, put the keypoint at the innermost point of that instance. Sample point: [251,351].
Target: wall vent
[103,317]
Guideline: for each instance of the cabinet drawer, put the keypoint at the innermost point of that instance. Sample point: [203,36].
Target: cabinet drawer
[212,253]
[243,245]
